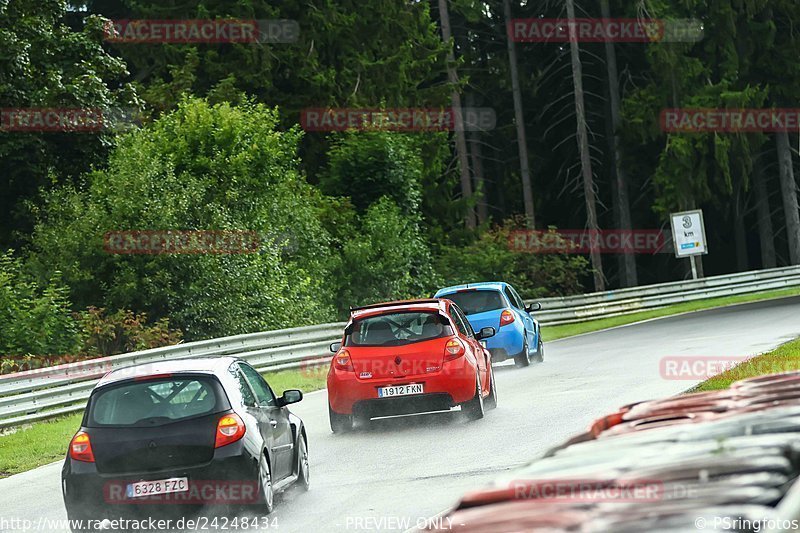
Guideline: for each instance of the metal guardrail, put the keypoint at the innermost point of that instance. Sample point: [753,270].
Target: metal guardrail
[580,308]
[45,393]
[53,391]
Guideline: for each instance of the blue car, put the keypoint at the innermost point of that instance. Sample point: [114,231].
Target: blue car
[497,304]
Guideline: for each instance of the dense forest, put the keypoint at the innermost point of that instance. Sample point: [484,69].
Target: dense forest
[214,139]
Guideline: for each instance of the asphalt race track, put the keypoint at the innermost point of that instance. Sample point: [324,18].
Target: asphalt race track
[401,471]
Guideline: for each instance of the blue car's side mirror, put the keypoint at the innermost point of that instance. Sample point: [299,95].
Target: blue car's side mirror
[533,307]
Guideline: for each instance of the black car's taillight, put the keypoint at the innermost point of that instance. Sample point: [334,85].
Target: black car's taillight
[80,447]
[230,428]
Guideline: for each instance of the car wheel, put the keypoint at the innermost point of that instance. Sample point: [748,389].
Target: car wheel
[522,359]
[340,423]
[302,465]
[491,400]
[265,484]
[539,357]
[474,407]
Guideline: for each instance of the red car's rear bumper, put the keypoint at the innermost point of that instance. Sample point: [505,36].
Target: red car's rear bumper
[453,384]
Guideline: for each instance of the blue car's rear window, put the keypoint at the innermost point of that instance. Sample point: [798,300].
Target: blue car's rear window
[477,300]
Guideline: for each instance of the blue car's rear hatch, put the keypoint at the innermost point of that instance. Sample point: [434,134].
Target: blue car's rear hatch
[486,319]
[482,306]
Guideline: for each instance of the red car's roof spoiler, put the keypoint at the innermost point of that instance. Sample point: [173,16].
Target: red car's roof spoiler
[395,304]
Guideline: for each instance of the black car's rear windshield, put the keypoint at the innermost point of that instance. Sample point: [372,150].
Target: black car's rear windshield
[153,402]
[477,300]
[396,329]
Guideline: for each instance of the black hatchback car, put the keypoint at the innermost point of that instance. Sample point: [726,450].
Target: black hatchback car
[186,433]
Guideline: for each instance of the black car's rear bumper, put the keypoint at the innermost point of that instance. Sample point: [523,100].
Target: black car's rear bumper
[229,479]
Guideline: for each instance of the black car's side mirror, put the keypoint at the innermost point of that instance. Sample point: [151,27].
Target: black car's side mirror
[485,333]
[535,306]
[290,396]
[335,346]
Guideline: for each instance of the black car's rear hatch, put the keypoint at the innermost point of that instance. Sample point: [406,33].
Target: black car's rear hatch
[153,424]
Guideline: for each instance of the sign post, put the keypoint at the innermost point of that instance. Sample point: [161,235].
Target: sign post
[689,236]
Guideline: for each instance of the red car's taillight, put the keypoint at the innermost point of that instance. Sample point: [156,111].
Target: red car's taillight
[342,361]
[506,317]
[80,448]
[230,428]
[453,349]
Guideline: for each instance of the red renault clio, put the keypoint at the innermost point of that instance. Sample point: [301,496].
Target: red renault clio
[409,357]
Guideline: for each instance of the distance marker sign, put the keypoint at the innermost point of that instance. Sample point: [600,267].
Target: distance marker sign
[688,233]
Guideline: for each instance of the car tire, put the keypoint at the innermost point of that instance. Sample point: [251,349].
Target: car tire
[340,423]
[266,494]
[303,474]
[522,359]
[539,357]
[491,401]
[474,408]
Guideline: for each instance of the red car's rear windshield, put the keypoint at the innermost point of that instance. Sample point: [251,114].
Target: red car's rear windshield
[477,301]
[397,329]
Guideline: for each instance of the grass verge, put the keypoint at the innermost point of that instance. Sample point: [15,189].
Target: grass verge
[44,442]
[305,379]
[784,358]
[37,444]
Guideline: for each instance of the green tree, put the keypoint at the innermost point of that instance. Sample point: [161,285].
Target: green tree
[711,170]
[34,317]
[489,258]
[366,166]
[346,54]
[52,58]
[201,167]
[386,259]
[386,54]
[384,250]
[775,64]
